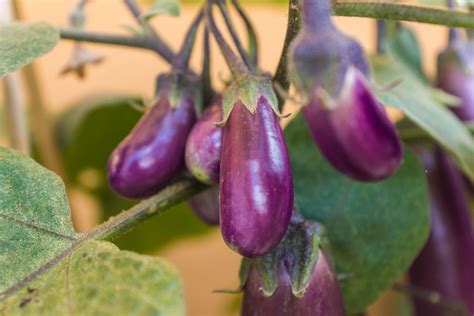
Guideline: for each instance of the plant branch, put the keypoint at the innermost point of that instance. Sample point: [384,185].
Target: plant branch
[125,221]
[403,12]
[145,42]
[166,51]
[281,74]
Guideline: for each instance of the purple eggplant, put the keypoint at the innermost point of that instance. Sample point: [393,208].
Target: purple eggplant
[206,205]
[256,184]
[153,153]
[446,264]
[203,147]
[348,124]
[456,75]
[296,279]
[354,133]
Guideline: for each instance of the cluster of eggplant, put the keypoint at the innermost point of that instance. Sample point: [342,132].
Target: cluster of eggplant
[446,264]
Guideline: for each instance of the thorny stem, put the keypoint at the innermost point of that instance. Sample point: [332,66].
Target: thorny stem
[403,12]
[252,36]
[236,66]
[159,44]
[281,74]
[233,33]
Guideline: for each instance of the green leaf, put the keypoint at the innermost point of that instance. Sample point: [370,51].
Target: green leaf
[170,7]
[48,269]
[415,99]
[21,43]
[97,279]
[101,123]
[375,230]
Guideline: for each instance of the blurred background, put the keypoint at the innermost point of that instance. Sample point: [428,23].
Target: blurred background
[94,115]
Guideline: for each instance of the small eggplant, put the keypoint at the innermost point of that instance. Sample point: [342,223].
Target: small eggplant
[354,133]
[296,279]
[446,263]
[206,206]
[203,147]
[256,184]
[153,153]
[456,75]
[350,127]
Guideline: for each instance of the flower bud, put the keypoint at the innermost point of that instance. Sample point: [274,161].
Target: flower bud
[346,121]
[256,184]
[456,75]
[153,153]
[203,147]
[206,205]
[295,279]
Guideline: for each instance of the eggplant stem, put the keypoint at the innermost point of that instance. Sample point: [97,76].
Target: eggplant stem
[181,60]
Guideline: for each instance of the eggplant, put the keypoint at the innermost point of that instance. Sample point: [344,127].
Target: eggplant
[153,153]
[355,134]
[206,206]
[446,263]
[203,147]
[348,124]
[296,279]
[256,184]
[455,75]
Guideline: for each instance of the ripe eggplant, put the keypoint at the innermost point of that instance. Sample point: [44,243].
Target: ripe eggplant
[256,184]
[203,147]
[206,206]
[446,264]
[295,279]
[456,75]
[153,153]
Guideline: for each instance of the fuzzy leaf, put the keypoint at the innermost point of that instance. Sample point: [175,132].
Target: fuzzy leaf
[170,7]
[21,43]
[98,278]
[48,269]
[415,99]
[375,230]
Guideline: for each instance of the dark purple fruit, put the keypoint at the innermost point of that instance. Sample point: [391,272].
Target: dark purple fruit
[206,205]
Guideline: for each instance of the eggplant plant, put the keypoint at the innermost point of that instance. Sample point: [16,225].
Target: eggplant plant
[327,213]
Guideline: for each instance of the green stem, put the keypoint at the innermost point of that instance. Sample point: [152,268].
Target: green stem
[403,12]
[125,221]
[281,75]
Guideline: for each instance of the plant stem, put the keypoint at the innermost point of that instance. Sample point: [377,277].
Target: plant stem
[252,36]
[16,114]
[146,42]
[233,33]
[181,60]
[125,221]
[165,50]
[294,23]
[403,12]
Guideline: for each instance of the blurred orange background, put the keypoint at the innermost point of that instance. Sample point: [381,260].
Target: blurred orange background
[204,262]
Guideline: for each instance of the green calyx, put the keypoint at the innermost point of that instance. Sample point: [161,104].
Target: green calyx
[176,86]
[248,89]
[296,255]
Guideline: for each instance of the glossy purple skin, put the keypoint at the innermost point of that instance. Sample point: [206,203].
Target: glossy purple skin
[456,76]
[322,296]
[203,148]
[356,135]
[153,153]
[446,264]
[256,184]
[206,206]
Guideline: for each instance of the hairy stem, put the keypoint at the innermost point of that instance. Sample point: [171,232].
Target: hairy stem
[403,12]
[294,23]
